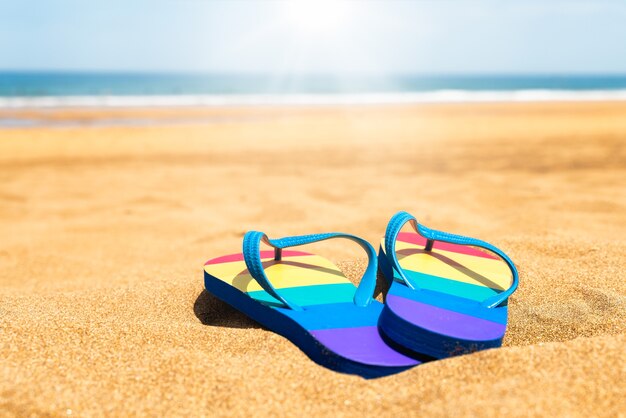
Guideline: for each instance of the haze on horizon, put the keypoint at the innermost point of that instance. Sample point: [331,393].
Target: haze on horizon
[300,36]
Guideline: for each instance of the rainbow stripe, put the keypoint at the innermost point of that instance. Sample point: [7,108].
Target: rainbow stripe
[452,282]
[463,271]
[329,314]
[306,279]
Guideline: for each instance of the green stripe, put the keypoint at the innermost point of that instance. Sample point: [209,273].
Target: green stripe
[309,295]
[451,287]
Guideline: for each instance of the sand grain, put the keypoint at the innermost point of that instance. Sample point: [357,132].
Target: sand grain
[105,230]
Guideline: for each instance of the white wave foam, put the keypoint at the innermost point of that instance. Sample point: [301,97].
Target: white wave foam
[441,96]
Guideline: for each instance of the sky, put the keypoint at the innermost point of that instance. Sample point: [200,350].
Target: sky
[317,36]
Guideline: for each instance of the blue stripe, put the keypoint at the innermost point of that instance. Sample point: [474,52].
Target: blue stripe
[338,315]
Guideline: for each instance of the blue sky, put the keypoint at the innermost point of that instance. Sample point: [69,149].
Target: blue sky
[360,36]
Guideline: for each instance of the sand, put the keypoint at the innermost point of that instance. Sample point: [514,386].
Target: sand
[104,230]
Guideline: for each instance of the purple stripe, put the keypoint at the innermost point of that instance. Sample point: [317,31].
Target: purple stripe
[363,345]
[444,321]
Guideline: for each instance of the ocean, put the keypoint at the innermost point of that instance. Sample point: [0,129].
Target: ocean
[74,89]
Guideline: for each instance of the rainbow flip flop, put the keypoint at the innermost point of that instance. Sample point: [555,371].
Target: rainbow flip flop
[307,299]
[448,293]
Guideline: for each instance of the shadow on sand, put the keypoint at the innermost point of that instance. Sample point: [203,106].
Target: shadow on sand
[212,311]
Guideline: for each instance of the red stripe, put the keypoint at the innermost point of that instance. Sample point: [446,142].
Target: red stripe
[264,254]
[413,238]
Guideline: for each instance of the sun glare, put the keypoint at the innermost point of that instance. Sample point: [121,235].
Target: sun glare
[316,17]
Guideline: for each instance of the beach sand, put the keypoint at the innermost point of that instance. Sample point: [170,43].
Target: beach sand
[104,231]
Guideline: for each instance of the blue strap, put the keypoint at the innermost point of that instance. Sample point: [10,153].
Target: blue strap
[252,257]
[397,222]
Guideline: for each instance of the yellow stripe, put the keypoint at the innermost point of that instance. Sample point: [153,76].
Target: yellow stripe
[455,266]
[290,272]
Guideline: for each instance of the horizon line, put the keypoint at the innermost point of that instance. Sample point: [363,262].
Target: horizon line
[316,74]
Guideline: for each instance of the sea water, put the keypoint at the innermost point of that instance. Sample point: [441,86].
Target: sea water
[74,89]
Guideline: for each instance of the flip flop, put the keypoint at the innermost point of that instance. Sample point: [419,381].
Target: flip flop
[308,300]
[448,293]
